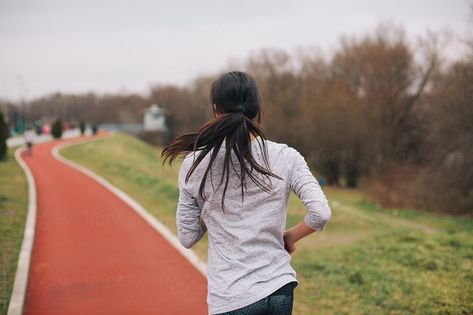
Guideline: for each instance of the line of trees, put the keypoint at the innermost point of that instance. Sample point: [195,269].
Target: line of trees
[380,113]
[401,121]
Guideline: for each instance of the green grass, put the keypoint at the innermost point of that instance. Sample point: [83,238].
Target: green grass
[368,260]
[13,208]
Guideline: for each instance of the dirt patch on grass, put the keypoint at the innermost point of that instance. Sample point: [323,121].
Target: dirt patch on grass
[323,239]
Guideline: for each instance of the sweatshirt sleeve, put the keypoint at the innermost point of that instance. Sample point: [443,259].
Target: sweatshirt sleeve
[189,229]
[307,188]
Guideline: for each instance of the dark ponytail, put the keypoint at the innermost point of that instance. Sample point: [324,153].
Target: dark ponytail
[238,102]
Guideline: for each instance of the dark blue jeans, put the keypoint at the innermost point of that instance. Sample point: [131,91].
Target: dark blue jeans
[277,303]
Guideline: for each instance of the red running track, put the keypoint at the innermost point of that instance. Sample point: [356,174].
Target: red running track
[93,254]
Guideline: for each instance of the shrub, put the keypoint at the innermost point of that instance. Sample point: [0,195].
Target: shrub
[3,137]
[82,127]
[56,129]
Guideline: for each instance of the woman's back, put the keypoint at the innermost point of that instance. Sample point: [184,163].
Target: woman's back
[247,260]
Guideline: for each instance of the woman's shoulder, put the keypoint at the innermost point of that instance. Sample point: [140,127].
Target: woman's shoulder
[284,153]
[282,147]
[276,145]
[187,162]
[189,159]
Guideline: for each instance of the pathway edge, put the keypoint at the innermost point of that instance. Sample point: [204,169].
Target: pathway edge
[17,299]
[189,254]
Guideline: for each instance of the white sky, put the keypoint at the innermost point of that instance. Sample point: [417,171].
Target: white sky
[126,45]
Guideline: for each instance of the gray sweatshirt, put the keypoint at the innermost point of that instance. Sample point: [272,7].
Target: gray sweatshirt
[246,256]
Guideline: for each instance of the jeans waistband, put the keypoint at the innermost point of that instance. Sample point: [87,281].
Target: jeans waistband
[287,289]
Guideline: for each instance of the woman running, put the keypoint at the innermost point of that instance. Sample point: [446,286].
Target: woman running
[235,184]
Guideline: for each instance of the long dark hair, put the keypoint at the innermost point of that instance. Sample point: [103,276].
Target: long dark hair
[238,102]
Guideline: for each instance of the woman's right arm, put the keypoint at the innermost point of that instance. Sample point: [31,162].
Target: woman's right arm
[307,188]
[190,226]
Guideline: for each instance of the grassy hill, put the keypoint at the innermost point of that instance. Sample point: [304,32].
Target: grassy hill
[368,260]
[13,208]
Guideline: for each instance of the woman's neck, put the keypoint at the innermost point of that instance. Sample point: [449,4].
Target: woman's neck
[252,137]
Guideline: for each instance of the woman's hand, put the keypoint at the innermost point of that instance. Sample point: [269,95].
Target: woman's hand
[292,235]
[289,242]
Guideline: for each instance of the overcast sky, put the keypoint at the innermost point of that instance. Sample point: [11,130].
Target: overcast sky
[127,45]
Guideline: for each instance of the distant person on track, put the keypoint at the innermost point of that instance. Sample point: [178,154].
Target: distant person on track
[29,140]
[235,184]
[322,181]
[95,129]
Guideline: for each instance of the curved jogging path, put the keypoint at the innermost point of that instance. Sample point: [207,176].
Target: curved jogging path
[93,254]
